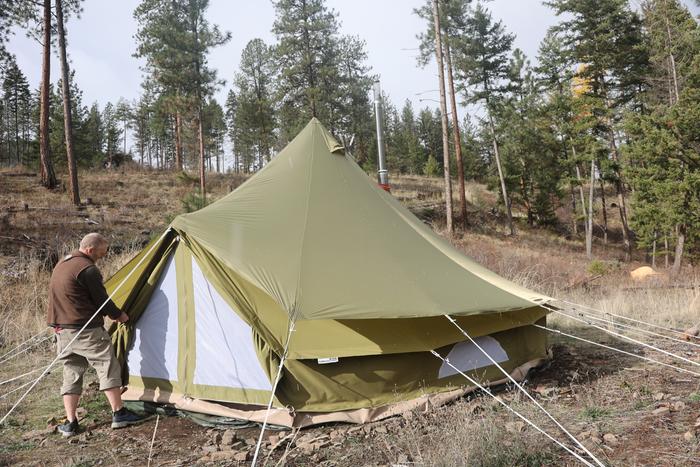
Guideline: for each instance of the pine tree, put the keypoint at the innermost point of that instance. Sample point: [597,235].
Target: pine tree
[663,164]
[407,142]
[48,177]
[530,149]
[254,120]
[306,32]
[214,132]
[94,136]
[481,60]
[453,13]
[605,37]
[17,111]
[321,74]
[175,37]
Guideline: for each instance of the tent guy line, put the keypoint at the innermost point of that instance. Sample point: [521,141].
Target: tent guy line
[15,352]
[626,318]
[16,389]
[633,329]
[523,390]
[20,376]
[53,362]
[605,346]
[292,320]
[515,412]
[671,354]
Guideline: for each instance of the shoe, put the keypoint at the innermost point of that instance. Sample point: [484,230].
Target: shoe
[69,428]
[125,417]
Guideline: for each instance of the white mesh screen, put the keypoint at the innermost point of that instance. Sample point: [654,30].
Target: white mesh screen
[155,347]
[466,356]
[225,353]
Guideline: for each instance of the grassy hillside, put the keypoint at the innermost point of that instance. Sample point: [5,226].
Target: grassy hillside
[626,411]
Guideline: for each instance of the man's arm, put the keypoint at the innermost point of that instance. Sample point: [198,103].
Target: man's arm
[91,278]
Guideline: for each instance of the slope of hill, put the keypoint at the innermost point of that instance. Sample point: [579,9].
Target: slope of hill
[626,411]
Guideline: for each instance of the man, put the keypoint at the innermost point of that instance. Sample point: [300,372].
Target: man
[76,293]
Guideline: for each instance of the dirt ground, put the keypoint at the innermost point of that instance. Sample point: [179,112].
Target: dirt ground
[626,412]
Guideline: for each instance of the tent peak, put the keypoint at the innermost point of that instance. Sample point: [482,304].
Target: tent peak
[333,145]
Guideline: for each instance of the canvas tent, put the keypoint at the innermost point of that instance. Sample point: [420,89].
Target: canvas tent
[311,260]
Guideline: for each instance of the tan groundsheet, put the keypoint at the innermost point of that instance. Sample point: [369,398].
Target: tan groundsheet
[285,417]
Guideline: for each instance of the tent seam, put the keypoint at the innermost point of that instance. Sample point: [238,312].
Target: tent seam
[306,221]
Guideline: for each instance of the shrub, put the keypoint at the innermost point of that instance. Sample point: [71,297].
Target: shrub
[431,168]
[598,268]
[193,201]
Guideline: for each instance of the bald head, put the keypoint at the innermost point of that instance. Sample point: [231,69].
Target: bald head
[92,240]
[94,245]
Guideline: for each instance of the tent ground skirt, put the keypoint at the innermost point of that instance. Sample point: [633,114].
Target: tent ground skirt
[284,417]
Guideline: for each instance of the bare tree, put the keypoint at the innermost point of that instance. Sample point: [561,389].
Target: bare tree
[443,113]
[67,116]
[48,177]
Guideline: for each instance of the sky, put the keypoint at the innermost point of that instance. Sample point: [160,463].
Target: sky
[101,43]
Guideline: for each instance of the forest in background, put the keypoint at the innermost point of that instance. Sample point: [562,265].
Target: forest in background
[610,106]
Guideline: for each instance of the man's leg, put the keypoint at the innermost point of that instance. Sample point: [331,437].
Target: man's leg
[101,357]
[74,366]
[114,396]
[70,403]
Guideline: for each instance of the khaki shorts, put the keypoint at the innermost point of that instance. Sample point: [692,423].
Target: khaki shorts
[94,347]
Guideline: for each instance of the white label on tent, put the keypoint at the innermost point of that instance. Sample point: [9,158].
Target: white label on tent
[153,353]
[323,361]
[467,356]
[225,354]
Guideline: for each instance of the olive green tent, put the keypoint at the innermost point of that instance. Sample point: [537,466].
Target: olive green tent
[310,260]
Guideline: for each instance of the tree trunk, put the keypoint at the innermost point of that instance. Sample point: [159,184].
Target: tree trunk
[506,200]
[443,112]
[202,180]
[605,212]
[48,177]
[574,223]
[666,251]
[178,142]
[619,183]
[589,230]
[680,242]
[621,204]
[218,154]
[526,195]
[457,137]
[67,113]
[653,252]
[583,200]
[671,59]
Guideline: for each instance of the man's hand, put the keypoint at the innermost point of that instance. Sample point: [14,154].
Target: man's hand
[123,318]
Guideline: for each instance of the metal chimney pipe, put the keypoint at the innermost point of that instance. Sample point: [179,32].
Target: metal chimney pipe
[383,173]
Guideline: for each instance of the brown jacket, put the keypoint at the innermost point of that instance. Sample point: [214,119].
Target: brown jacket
[76,292]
